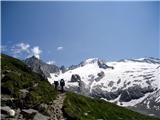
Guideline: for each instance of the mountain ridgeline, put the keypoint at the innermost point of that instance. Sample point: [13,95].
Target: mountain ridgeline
[26,94]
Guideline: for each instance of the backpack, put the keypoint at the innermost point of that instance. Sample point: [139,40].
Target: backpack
[62,83]
[56,83]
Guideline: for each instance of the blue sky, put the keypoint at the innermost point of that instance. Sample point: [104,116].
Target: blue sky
[69,32]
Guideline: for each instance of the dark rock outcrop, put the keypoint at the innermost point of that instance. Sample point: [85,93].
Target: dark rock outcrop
[103,65]
[75,78]
[134,92]
[150,105]
[99,93]
[100,76]
[63,69]
[40,67]
[127,95]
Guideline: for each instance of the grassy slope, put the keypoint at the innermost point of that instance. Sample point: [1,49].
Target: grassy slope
[75,107]
[19,76]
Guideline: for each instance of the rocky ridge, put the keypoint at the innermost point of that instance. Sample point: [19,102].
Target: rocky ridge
[41,67]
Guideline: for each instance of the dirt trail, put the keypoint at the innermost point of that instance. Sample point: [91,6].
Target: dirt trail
[56,108]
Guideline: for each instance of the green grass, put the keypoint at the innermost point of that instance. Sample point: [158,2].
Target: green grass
[75,107]
[19,76]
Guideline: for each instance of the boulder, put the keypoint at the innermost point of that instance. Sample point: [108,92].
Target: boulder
[10,112]
[33,114]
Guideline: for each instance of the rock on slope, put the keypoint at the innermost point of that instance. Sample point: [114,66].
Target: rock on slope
[126,82]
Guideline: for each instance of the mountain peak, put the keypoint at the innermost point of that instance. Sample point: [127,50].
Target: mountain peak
[91,60]
[33,58]
[41,67]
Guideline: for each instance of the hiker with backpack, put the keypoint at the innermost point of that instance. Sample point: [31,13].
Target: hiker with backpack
[56,84]
[62,84]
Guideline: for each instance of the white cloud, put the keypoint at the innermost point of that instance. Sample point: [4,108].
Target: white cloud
[51,62]
[36,51]
[21,47]
[59,48]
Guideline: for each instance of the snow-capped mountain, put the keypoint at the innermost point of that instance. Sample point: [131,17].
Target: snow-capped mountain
[126,82]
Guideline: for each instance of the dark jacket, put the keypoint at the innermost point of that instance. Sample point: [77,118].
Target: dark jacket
[62,82]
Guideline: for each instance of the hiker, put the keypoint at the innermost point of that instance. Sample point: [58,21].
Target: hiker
[56,84]
[62,84]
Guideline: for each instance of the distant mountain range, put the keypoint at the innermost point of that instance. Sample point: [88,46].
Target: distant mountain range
[131,83]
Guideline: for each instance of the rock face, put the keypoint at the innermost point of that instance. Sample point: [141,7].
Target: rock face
[75,78]
[40,67]
[134,92]
[126,82]
[150,105]
[72,67]
[63,69]
[102,64]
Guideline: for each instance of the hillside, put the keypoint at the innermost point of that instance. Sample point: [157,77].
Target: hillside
[78,107]
[21,88]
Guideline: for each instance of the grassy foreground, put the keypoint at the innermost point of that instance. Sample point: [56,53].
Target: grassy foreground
[78,107]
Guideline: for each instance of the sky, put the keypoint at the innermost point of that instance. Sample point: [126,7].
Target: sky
[66,33]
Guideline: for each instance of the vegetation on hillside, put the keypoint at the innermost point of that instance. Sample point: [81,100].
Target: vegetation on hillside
[78,107]
[17,76]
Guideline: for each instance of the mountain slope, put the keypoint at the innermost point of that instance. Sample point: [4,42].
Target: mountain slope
[126,83]
[21,88]
[78,107]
